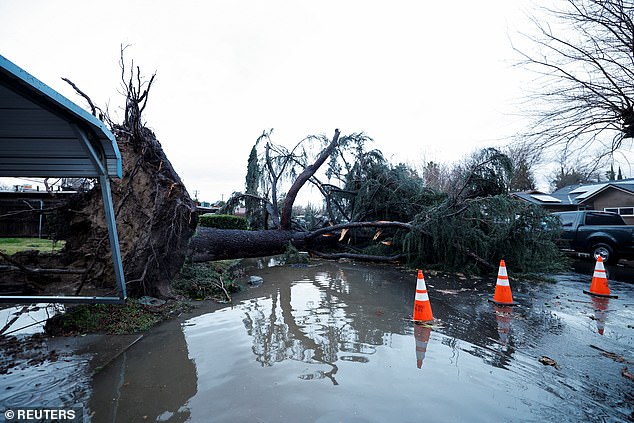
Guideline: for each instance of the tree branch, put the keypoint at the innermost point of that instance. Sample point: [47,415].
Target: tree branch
[285,221]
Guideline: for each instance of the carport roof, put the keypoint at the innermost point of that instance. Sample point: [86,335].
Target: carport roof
[43,134]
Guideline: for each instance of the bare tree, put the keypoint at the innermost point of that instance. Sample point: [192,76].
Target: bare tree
[584,59]
[524,159]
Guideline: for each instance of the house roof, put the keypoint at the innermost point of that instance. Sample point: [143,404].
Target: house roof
[43,134]
[575,194]
[544,199]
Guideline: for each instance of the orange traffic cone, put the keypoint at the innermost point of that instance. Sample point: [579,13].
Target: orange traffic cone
[422,335]
[503,294]
[422,307]
[599,284]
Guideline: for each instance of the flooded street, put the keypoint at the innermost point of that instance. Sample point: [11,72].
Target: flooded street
[334,342]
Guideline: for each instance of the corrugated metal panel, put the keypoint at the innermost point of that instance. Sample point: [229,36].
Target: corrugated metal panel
[11,100]
[33,123]
[40,121]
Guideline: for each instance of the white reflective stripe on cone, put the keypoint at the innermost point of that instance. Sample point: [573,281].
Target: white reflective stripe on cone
[503,282]
[421,296]
[502,271]
[420,285]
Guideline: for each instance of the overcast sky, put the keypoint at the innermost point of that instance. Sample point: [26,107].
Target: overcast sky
[426,80]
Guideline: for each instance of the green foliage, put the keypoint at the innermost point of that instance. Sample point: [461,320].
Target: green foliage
[293,256]
[461,217]
[378,249]
[387,192]
[493,228]
[311,219]
[254,213]
[199,281]
[373,189]
[131,317]
[222,221]
[487,172]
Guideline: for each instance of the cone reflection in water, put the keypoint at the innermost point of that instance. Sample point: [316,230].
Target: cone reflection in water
[600,307]
[503,316]
[422,306]
[503,294]
[599,285]
[421,334]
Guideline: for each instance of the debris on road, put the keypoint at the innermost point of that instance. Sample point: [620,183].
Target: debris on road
[547,361]
[609,354]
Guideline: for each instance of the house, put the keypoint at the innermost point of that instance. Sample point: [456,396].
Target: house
[611,196]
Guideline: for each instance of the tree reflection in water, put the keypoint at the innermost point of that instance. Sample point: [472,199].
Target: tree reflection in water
[311,321]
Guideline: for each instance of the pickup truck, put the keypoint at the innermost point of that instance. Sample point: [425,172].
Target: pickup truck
[597,233]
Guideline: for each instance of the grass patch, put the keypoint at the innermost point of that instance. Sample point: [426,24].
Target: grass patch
[131,317]
[199,281]
[13,245]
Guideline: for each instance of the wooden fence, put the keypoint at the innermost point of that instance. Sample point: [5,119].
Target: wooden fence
[26,216]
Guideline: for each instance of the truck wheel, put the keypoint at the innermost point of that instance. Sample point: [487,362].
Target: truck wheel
[606,252]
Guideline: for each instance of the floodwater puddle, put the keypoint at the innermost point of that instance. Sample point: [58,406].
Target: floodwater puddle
[26,320]
[335,342]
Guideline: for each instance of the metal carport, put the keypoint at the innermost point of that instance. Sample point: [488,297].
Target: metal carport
[43,134]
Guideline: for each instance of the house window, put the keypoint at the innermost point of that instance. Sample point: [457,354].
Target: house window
[623,211]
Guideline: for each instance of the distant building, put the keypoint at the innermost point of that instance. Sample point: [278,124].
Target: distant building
[611,196]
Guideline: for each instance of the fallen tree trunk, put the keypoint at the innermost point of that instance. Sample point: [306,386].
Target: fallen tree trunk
[220,244]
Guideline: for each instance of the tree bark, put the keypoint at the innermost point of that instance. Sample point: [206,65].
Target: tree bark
[219,244]
[285,220]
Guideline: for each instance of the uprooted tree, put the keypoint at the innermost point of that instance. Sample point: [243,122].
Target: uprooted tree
[377,211]
[373,210]
[154,214]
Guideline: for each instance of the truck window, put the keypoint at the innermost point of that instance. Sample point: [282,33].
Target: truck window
[567,219]
[604,219]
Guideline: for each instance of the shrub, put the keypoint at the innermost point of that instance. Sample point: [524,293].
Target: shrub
[222,221]
[207,280]
[132,317]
